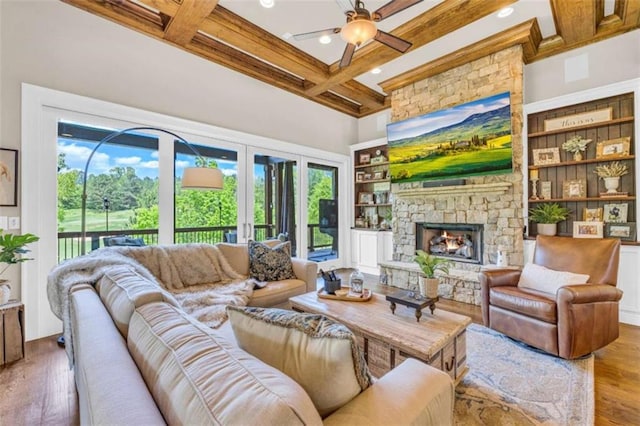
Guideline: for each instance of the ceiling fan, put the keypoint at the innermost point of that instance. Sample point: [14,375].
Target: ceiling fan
[361,27]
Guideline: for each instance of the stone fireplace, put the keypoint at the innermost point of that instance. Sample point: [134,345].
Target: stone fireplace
[454,241]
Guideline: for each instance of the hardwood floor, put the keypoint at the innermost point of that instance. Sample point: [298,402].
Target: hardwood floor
[40,390]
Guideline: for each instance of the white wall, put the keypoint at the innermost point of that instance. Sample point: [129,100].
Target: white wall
[599,64]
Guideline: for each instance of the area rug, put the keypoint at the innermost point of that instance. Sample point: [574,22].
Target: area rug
[509,383]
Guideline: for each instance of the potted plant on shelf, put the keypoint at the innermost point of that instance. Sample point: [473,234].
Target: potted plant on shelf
[547,217]
[429,265]
[611,173]
[13,246]
[576,145]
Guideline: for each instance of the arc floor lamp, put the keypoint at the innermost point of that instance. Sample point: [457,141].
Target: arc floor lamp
[193,177]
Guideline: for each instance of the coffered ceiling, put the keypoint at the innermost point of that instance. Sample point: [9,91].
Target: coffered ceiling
[244,36]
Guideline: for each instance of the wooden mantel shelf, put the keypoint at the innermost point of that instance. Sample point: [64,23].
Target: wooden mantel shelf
[481,189]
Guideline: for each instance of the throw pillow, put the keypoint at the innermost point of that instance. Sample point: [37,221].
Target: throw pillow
[270,263]
[321,355]
[547,280]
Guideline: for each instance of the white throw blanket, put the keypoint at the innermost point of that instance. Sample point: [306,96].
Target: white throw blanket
[197,275]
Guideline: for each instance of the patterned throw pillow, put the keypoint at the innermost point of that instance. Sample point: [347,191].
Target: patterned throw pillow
[270,264]
[320,354]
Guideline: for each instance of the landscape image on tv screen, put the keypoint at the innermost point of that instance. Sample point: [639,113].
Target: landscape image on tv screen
[471,139]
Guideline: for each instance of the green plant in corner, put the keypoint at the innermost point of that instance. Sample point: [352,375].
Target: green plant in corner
[549,213]
[430,264]
[13,246]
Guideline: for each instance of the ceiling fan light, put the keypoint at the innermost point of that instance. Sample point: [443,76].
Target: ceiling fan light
[358,31]
[325,39]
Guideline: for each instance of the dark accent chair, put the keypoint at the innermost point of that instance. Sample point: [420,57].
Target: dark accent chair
[578,319]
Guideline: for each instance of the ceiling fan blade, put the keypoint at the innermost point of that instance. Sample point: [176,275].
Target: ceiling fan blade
[392,41]
[345,5]
[316,34]
[391,8]
[347,55]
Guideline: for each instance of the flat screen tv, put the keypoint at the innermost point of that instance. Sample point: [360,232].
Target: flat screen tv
[471,139]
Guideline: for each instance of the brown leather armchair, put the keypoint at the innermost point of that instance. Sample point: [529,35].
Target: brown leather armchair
[578,319]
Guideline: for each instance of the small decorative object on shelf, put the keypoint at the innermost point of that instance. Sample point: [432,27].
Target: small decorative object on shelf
[611,174]
[545,190]
[533,175]
[575,188]
[613,148]
[587,229]
[616,213]
[547,217]
[576,145]
[592,215]
[624,231]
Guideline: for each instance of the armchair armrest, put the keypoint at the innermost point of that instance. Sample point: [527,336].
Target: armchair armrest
[588,293]
[412,393]
[307,271]
[495,278]
[587,318]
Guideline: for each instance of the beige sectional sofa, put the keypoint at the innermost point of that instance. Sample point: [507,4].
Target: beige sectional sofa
[140,359]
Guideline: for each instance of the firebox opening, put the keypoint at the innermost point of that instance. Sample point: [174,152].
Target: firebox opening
[457,241]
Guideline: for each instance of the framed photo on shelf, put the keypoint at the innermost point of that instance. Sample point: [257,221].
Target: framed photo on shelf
[575,188]
[592,215]
[359,176]
[588,229]
[8,177]
[368,176]
[364,158]
[576,120]
[613,148]
[624,231]
[378,175]
[544,156]
[616,213]
[365,198]
[545,190]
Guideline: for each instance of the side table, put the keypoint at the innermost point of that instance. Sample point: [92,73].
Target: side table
[403,297]
[11,332]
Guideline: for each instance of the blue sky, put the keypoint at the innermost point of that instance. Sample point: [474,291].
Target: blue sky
[108,156]
[426,123]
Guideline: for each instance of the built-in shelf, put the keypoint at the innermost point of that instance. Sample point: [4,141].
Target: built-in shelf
[586,126]
[369,165]
[372,181]
[587,161]
[374,205]
[578,199]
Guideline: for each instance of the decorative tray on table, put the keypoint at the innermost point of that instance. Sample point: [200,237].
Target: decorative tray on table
[348,296]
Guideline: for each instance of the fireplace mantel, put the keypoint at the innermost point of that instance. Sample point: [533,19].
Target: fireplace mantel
[481,188]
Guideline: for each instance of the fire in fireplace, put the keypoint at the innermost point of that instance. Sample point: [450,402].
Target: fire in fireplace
[458,241]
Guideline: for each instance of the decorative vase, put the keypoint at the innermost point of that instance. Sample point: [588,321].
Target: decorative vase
[612,183]
[577,156]
[356,282]
[5,291]
[547,228]
[429,288]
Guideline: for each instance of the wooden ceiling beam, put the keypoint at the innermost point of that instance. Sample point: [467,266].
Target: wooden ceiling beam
[234,59]
[436,22]
[519,34]
[576,20]
[184,24]
[628,11]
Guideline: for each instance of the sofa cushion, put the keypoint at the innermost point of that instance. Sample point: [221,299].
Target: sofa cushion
[122,290]
[277,293]
[198,377]
[539,278]
[317,352]
[236,255]
[270,263]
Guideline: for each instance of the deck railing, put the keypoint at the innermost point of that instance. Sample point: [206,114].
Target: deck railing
[69,243]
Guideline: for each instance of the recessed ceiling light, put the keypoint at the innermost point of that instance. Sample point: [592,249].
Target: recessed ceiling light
[325,39]
[267,3]
[503,13]
[376,71]
[287,36]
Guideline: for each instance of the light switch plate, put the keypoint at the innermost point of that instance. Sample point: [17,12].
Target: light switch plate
[4,222]
[14,222]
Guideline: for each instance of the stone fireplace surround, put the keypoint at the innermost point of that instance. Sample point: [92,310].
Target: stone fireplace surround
[492,201]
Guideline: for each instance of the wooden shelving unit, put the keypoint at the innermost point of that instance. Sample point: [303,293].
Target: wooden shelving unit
[372,186]
[621,125]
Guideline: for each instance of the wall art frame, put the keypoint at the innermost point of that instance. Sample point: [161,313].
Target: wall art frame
[8,177]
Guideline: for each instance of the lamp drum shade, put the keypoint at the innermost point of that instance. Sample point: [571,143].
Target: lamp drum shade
[202,178]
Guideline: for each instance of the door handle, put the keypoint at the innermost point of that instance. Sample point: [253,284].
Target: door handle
[250,230]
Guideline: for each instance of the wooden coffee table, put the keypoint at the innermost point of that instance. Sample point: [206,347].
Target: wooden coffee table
[387,339]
